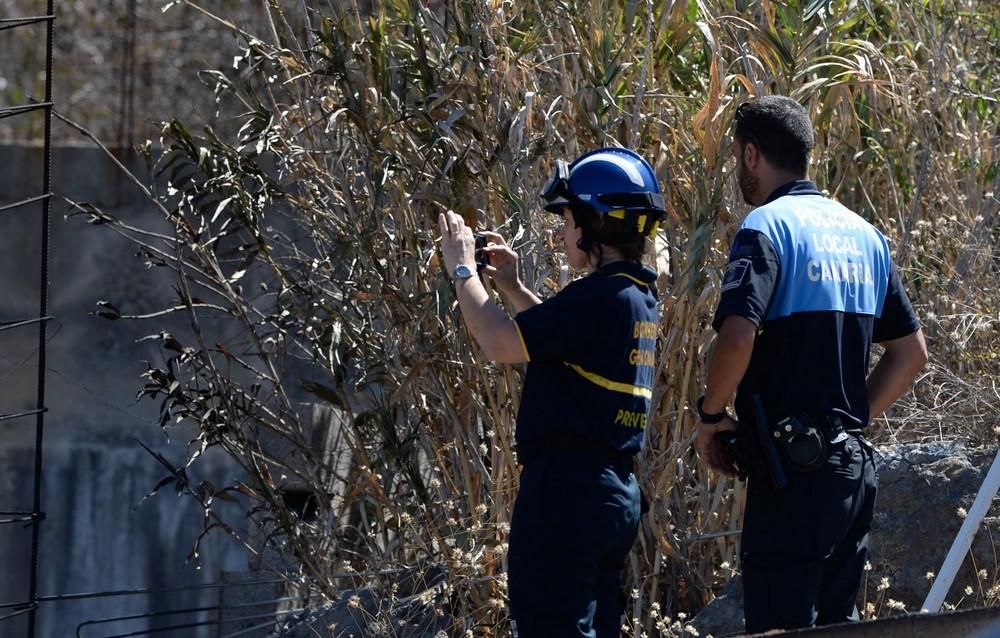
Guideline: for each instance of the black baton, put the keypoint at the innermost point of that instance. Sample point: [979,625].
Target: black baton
[771,458]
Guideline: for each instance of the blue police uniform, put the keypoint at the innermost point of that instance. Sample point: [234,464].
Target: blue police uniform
[819,283]
[583,413]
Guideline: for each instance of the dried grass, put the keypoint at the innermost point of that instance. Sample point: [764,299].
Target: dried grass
[312,234]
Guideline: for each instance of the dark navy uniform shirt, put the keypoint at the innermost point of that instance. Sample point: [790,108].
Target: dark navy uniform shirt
[820,285]
[591,352]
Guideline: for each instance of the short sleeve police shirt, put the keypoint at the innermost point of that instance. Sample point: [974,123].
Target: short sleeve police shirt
[819,283]
[591,351]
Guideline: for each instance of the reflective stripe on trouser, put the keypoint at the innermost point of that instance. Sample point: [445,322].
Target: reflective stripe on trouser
[804,548]
[575,519]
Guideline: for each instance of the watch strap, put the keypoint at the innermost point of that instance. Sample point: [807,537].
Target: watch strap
[709,418]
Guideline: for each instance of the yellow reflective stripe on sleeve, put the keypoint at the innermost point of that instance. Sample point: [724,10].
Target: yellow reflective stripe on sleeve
[638,281]
[614,386]
[527,357]
[618,213]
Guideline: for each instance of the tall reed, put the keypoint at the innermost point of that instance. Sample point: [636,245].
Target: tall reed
[310,239]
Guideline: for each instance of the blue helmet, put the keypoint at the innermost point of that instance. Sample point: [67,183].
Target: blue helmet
[616,182]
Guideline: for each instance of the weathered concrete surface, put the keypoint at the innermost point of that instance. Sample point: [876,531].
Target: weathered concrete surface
[96,536]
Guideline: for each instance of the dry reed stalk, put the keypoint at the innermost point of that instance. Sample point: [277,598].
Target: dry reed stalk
[356,133]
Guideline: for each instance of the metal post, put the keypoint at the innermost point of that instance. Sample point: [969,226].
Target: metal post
[980,507]
[42,332]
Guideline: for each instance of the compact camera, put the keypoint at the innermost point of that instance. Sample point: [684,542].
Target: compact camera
[482,258]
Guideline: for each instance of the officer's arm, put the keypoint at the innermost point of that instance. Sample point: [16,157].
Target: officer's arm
[747,289]
[490,326]
[903,359]
[521,298]
[729,361]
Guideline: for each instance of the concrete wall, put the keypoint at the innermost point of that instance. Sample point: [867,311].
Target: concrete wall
[95,474]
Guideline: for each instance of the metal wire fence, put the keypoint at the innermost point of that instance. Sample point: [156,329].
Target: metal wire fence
[35,516]
[233,619]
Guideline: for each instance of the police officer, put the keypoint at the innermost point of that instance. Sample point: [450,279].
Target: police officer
[586,397]
[809,286]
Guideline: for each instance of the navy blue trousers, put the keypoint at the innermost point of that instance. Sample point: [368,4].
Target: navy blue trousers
[575,519]
[804,548]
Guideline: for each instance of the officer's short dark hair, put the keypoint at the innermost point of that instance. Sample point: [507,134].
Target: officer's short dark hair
[780,128]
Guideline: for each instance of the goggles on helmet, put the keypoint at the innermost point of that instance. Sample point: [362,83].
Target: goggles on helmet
[557,188]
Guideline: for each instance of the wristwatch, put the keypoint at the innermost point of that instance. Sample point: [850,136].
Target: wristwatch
[710,418]
[462,272]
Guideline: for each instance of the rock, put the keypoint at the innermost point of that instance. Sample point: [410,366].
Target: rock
[413,609]
[921,488]
[724,615]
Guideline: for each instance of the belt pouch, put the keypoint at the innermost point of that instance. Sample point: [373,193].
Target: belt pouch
[802,442]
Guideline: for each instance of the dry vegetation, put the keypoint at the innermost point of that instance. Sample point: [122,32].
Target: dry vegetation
[307,239]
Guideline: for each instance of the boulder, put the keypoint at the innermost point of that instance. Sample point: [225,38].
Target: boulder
[723,616]
[408,605]
[922,488]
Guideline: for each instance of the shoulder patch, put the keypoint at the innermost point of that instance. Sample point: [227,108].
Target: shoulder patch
[735,273]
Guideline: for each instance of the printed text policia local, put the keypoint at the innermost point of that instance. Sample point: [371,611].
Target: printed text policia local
[841,248]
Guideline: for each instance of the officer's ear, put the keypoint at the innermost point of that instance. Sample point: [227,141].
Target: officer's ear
[750,155]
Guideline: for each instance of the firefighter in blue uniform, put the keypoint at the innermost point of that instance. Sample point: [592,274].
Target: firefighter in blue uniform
[808,288]
[586,397]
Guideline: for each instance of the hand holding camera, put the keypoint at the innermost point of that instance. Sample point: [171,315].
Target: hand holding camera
[487,249]
[495,258]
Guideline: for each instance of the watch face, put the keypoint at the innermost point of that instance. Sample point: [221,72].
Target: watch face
[463,272]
